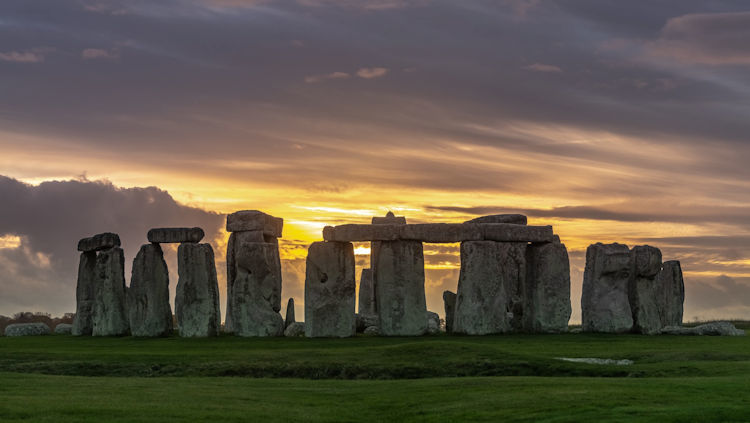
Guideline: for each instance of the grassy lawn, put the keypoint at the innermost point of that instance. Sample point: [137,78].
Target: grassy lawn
[441,378]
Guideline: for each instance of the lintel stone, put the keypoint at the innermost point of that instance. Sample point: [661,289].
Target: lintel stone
[254,220]
[175,235]
[439,232]
[99,242]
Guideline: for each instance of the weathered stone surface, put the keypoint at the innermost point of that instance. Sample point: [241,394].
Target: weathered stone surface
[289,313]
[254,289]
[99,242]
[516,219]
[506,232]
[330,290]
[547,290]
[236,241]
[366,320]
[433,322]
[366,293]
[672,293]
[64,329]
[711,329]
[83,324]
[489,287]
[605,305]
[295,329]
[110,317]
[439,232]
[645,301]
[254,220]
[398,273]
[175,235]
[149,312]
[197,299]
[27,329]
[372,330]
[449,301]
[389,219]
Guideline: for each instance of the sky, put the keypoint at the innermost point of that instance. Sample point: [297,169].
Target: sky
[612,121]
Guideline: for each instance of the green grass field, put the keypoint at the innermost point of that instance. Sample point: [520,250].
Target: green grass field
[440,378]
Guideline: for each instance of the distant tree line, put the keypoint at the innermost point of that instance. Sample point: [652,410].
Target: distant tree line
[35,317]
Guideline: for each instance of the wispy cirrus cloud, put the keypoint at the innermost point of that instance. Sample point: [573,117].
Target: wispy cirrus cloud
[371,73]
[100,53]
[313,79]
[541,67]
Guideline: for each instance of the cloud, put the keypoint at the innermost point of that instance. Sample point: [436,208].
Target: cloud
[540,67]
[98,53]
[365,4]
[39,273]
[705,38]
[320,78]
[371,73]
[22,57]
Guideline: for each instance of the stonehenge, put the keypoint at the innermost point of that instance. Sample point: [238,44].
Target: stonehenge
[513,278]
[197,299]
[110,317]
[254,275]
[330,290]
[630,290]
[149,312]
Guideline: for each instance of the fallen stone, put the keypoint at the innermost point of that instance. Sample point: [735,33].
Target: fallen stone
[398,273]
[516,219]
[83,323]
[605,305]
[439,232]
[710,329]
[449,301]
[289,313]
[27,329]
[254,220]
[366,320]
[149,312]
[389,219]
[547,306]
[644,290]
[254,292]
[99,242]
[330,290]
[433,323]
[197,299]
[489,287]
[372,330]
[175,235]
[602,361]
[366,293]
[63,329]
[295,329]
[110,317]
[672,293]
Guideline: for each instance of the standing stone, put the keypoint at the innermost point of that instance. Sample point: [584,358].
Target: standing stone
[254,292]
[149,312]
[289,313]
[110,318]
[197,299]
[489,298]
[433,322]
[449,300]
[366,294]
[389,219]
[398,272]
[83,324]
[605,305]
[672,293]
[644,291]
[330,290]
[547,291]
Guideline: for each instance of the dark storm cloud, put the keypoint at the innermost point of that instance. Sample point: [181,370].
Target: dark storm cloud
[50,219]
[182,72]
